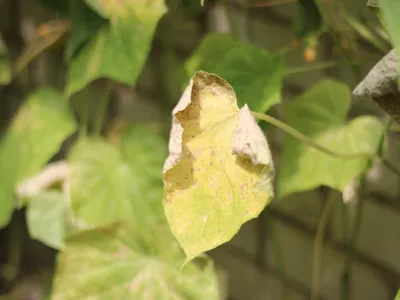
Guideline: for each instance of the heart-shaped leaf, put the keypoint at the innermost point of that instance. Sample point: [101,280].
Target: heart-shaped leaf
[321,113]
[47,218]
[110,183]
[219,171]
[36,134]
[254,73]
[119,49]
[84,24]
[122,263]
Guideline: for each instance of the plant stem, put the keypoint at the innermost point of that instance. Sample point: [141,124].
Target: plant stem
[385,162]
[390,166]
[394,128]
[14,254]
[101,109]
[277,254]
[84,116]
[271,3]
[319,245]
[312,67]
[298,135]
[301,137]
[83,128]
[284,50]
[366,33]
[39,45]
[347,268]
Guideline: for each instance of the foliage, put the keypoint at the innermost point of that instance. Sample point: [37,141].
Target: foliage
[125,38]
[30,142]
[47,218]
[104,191]
[5,67]
[391,10]
[219,172]
[118,219]
[325,123]
[254,73]
[309,19]
[121,262]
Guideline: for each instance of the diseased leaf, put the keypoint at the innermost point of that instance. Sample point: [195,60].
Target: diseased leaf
[110,184]
[119,49]
[320,113]
[219,171]
[380,85]
[36,134]
[254,73]
[121,263]
[47,218]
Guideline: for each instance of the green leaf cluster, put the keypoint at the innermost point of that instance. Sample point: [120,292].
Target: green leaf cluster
[104,214]
[5,65]
[254,73]
[35,135]
[390,10]
[321,114]
[117,190]
[126,37]
[127,213]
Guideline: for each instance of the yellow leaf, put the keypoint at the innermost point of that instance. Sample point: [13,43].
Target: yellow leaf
[219,171]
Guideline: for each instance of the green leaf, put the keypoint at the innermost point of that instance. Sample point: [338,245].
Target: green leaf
[41,125]
[109,184]
[145,151]
[47,218]
[84,24]
[398,296]
[119,49]
[36,134]
[320,113]
[121,263]
[254,73]
[390,10]
[56,5]
[308,19]
[8,177]
[5,66]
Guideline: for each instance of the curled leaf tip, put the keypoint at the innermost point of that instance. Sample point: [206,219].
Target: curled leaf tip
[249,140]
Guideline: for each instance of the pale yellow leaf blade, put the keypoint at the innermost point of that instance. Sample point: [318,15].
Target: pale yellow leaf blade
[219,171]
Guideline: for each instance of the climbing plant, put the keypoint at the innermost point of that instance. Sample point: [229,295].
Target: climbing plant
[131,215]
